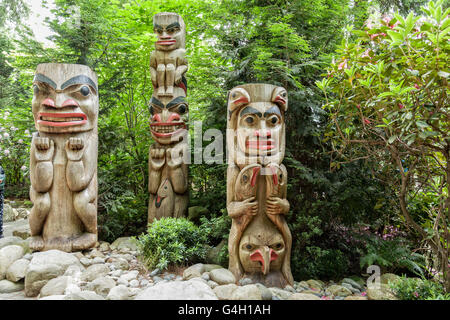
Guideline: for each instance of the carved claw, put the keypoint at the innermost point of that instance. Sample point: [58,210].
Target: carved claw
[44,147]
[275,205]
[157,158]
[174,157]
[74,149]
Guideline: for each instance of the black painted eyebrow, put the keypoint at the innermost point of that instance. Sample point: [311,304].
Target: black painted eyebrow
[155,101]
[81,79]
[39,77]
[251,110]
[175,101]
[157,26]
[273,110]
[175,24]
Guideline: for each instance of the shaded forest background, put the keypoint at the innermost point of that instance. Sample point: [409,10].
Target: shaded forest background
[340,217]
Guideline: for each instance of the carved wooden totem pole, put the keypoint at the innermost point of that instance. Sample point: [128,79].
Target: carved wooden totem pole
[168,172]
[260,240]
[63,158]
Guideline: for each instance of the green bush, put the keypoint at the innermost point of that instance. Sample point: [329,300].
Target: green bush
[171,241]
[391,256]
[418,289]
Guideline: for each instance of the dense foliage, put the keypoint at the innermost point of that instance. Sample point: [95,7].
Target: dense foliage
[230,42]
[389,103]
[171,241]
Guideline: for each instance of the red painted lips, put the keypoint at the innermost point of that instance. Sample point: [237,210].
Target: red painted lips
[166,42]
[166,129]
[260,144]
[61,119]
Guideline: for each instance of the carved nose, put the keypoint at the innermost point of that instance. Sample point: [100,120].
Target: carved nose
[50,103]
[63,102]
[174,117]
[263,133]
[265,257]
[156,118]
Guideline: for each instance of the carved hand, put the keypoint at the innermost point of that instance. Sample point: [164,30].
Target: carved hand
[178,76]
[157,158]
[75,149]
[247,207]
[44,147]
[275,205]
[175,162]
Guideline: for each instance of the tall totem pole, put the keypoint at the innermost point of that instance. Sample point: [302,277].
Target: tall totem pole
[169,114]
[260,241]
[63,160]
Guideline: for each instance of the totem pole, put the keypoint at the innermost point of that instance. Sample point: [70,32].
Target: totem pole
[63,160]
[260,241]
[169,114]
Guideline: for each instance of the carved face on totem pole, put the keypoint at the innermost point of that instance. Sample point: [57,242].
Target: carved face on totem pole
[260,240]
[257,122]
[168,118]
[170,30]
[63,158]
[65,101]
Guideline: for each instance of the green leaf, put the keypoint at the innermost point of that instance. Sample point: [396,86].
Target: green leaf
[392,139]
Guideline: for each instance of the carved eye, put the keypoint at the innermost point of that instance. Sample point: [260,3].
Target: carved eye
[172,30]
[35,90]
[85,91]
[245,178]
[273,120]
[182,109]
[278,246]
[248,246]
[250,120]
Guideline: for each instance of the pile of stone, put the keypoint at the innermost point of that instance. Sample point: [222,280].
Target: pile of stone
[113,272]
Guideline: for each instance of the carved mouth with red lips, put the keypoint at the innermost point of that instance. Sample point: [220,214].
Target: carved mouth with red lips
[165,42]
[260,144]
[61,119]
[166,129]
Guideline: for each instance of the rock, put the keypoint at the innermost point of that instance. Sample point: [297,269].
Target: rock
[101,285]
[355,298]
[8,241]
[303,284]
[245,281]
[119,292]
[134,283]
[178,290]
[94,253]
[225,292]
[144,283]
[212,284]
[129,275]
[104,246]
[98,260]
[119,263]
[280,293]
[353,283]
[22,213]
[94,271]
[22,232]
[289,288]
[266,294]
[124,242]
[303,296]
[72,288]
[74,271]
[205,276]
[315,284]
[155,272]
[17,270]
[8,213]
[8,255]
[350,287]
[193,271]
[157,279]
[85,261]
[84,295]
[213,254]
[7,286]
[45,266]
[55,286]
[194,213]
[210,267]
[28,256]
[386,278]
[222,276]
[338,290]
[383,293]
[248,292]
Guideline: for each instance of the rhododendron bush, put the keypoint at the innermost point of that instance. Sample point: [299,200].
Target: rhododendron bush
[387,94]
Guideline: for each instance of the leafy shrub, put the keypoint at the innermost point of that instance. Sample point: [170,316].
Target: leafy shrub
[391,255]
[218,230]
[418,289]
[172,241]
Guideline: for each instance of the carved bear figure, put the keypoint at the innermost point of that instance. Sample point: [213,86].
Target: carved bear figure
[63,160]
